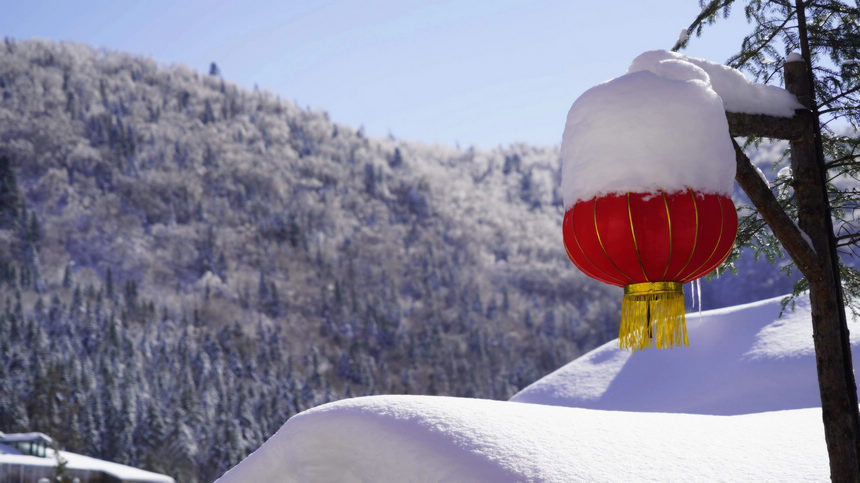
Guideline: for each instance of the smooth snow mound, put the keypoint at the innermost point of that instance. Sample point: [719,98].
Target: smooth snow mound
[425,438]
[650,130]
[740,360]
[738,93]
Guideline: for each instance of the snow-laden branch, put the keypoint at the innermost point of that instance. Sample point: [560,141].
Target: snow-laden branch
[737,92]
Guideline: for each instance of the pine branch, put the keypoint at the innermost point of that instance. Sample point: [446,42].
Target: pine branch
[782,226]
[741,59]
[840,95]
[708,11]
[833,7]
[839,109]
[846,240]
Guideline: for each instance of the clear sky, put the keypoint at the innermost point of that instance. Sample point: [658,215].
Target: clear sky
[480,73]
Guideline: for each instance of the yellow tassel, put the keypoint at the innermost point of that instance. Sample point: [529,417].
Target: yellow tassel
[652,314]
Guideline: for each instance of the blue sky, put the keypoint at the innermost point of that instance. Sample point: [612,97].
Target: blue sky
[481,73]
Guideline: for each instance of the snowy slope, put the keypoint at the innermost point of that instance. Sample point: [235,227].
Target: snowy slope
[740,360]
[752,370]
[423,438]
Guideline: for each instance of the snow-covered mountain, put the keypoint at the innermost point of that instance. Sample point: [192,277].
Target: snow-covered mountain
[739,404]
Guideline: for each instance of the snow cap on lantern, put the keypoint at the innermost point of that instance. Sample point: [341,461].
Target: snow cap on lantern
[738,93]
[659,129]
[647,172]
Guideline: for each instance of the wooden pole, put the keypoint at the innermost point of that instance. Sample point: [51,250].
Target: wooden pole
[836,383]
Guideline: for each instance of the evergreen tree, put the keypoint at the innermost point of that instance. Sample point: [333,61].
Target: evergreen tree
[825,166]
[207,117]
[67,276]
[10,198]
[396,159]
[109,284]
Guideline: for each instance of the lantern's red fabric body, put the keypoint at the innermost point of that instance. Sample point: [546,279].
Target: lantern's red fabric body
[650,237]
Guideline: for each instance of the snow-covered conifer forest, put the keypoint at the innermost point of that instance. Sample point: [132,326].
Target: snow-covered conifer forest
[185,264]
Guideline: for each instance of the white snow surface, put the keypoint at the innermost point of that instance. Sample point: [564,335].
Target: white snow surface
[762,175]
[425,438]
[649,130]
[77,461]
[737,92]
[784,173]
[741,359]
[607,416]
[794,57]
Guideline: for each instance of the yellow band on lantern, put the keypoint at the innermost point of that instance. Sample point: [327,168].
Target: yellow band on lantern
[646,288]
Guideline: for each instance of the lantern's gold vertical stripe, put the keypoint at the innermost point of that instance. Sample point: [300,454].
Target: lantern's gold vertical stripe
[695,234]
[587,258]
[599,241]
[719,238]
[635,245]
[669,223]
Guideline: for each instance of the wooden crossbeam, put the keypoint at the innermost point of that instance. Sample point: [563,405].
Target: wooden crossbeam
[761,125]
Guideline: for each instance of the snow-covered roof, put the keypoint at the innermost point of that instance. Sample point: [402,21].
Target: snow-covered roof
[32,436]
[114,469]
[746,360]
[25,459]
[76,461]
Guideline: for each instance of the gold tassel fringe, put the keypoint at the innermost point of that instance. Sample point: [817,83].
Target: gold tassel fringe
[652,314]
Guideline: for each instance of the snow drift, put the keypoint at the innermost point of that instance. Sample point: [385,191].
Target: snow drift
[423,438]
[740,360]
[748,373]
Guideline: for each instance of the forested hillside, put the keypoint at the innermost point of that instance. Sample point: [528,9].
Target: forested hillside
[186,264]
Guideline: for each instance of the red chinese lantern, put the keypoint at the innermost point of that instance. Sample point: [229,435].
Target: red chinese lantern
[650,244]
